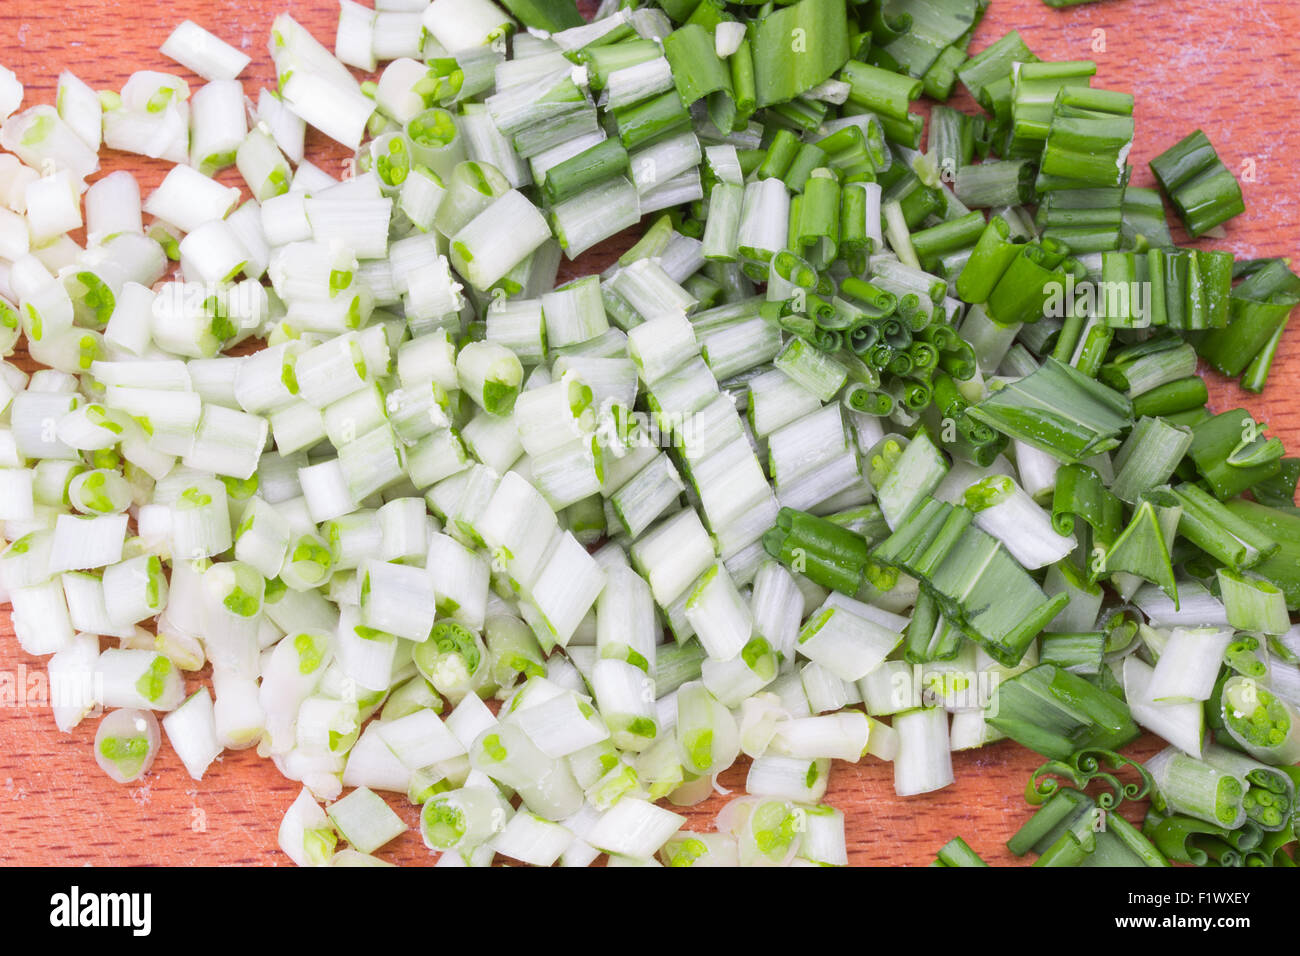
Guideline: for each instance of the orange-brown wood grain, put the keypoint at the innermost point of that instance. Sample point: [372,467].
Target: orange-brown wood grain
[1223,65]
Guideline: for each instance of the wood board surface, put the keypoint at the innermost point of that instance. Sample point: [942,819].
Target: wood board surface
[1224,67]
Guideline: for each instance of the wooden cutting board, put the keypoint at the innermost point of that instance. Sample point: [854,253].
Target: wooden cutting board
[1224,67]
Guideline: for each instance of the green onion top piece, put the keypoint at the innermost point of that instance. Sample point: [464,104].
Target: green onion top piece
[1204,192]
[698,72]
[833,556]
[797,47]
[979,587]
[1089,138]
[987,75]
[1059,410]
[1231,455]
[1071,829]
[1281,525]
[1055,712]
[549,15]
[1036,87]
[957,852]
[1185,839]
[1143,548]
[1258,311]
[935,26]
